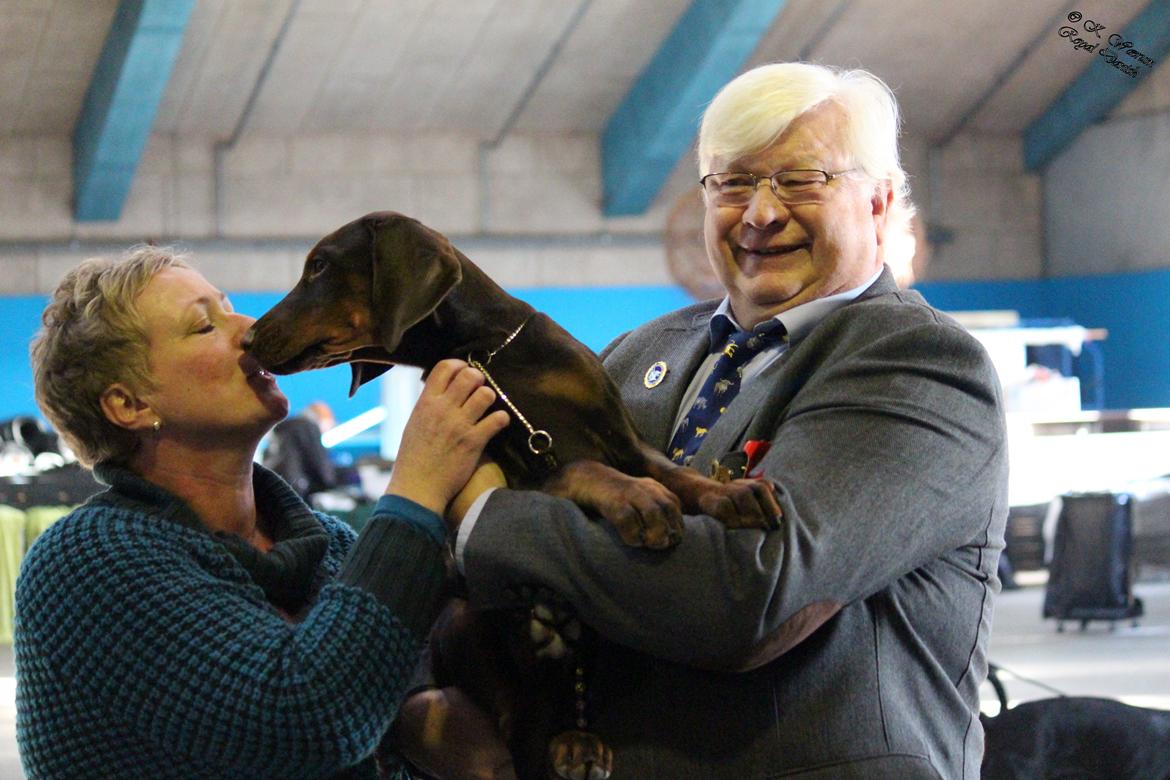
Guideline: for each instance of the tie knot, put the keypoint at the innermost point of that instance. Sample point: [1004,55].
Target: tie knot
[742,345]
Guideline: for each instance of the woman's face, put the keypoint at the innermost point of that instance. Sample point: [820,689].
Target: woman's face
[205,386]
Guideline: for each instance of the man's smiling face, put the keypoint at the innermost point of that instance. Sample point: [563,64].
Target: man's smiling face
[770,256]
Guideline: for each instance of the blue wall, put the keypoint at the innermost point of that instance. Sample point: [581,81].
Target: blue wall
[1133,307]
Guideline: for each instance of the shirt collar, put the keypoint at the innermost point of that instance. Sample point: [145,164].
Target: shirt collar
[798,320]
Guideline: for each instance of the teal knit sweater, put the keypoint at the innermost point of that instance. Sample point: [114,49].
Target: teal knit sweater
[147,647]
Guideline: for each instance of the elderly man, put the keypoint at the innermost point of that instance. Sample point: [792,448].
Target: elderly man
[850,642]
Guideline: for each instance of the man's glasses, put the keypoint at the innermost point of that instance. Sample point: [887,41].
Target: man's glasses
[792,187]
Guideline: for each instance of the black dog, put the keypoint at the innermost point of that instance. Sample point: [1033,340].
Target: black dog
[1075,737]
[385,290]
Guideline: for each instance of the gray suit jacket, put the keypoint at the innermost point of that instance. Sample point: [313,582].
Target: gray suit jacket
[888,452]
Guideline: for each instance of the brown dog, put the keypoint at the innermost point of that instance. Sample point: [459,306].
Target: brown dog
[386,290]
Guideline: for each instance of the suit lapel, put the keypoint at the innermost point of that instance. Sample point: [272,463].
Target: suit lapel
[757,397]
[654,408]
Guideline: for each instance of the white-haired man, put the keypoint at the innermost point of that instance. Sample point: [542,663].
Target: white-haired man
[850,642]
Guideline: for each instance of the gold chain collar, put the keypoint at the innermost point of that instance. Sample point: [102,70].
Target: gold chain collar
[539,441]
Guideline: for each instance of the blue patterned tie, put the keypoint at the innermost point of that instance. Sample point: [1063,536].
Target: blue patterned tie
[721,387]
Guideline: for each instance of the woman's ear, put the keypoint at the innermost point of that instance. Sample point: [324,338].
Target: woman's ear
[125,409]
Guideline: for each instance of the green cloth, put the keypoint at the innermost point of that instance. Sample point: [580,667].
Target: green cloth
[39,520]
[12,526]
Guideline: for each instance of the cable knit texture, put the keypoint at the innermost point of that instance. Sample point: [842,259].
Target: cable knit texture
[146,649]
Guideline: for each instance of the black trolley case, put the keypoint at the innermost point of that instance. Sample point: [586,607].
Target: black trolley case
[1090,576]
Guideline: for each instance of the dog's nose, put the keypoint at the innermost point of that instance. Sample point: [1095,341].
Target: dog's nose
[246,342]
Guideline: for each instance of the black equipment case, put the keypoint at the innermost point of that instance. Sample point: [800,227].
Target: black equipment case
[1090,576]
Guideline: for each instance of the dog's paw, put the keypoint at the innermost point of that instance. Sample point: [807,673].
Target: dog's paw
[741,503]
[642,510]
[579,755]
[554,630]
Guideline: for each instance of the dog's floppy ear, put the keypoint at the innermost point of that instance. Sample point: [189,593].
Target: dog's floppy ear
[413,270]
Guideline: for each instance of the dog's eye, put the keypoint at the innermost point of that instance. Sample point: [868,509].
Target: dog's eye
[317,265]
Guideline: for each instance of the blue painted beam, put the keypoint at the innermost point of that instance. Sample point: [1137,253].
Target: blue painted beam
[655,123]
[1103,85]
[121,103]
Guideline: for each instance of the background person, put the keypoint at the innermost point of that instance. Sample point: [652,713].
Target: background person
[851,642]
[296,453]
[197,619]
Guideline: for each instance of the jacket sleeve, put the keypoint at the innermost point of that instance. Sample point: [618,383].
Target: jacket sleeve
[887,456]
[160,627]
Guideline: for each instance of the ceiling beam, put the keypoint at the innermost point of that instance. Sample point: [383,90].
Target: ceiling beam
[655,123]
[121,103]
[1101,87]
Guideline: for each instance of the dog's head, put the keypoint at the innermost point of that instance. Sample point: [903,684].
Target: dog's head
[363,286]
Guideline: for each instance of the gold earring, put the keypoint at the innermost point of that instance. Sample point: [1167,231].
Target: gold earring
[157,425]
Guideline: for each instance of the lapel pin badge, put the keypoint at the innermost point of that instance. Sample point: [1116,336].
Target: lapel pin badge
[655,375]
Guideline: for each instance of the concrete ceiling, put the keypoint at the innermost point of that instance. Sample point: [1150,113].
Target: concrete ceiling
[486,68]
[465,65]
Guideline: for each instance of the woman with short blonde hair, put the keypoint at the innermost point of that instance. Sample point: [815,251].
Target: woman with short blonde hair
[198,619]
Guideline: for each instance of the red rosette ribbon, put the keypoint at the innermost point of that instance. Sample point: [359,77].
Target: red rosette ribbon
[755,450]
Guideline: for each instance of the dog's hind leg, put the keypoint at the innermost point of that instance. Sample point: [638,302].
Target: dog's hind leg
[579,755]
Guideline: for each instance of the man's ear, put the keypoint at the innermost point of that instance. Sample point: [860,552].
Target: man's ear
[413,270]
[882,201]
[124,408]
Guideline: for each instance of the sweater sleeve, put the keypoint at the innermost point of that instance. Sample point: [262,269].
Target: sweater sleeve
[157,627]
[395,559]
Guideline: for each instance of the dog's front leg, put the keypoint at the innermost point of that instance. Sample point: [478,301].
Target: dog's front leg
[740,503]
[641,509]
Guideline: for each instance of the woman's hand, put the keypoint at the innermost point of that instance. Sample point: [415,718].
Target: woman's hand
[445,436]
